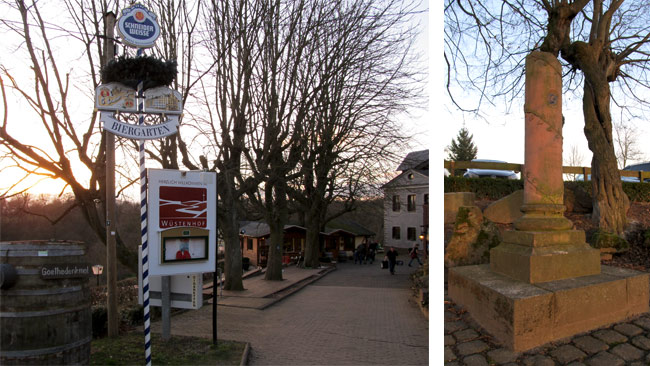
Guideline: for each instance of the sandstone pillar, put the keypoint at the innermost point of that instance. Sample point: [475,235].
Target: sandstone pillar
[543,248]
[544,282]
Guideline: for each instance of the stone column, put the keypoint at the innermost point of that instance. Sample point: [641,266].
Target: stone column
[543,184]
[543,248]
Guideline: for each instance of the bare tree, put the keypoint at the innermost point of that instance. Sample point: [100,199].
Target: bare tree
[73,143]
[575,158]
[234,27]
[626,144]
[365,76]
[57,85]
[607,41]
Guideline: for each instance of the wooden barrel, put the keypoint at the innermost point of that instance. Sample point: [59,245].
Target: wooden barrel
[45,317]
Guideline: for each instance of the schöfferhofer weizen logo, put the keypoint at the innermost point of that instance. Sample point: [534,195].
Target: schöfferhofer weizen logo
[138,27]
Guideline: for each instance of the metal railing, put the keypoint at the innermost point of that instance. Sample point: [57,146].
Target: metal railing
[585,171]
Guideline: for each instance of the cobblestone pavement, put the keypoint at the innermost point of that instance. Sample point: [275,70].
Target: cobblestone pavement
[626,343]
[356,315]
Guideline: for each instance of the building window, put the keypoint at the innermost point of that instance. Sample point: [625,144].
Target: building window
[249,244]
[396,233]
[426,198]
[396,203]
[411,202]
[411,234]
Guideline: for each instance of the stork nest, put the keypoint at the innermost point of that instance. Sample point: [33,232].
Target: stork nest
[130,71]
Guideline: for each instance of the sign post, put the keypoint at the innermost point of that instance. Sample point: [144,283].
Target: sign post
[111,227]
[138,28]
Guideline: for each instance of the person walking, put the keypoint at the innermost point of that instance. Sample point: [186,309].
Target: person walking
[361,253]
[372,249]
[414,255]
[391,255]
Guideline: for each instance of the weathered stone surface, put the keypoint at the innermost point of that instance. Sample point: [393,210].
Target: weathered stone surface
[577,199]
[502,355]
[463,248]
[451,327]
[629,330]
[605,359]
[449,354]
[627,352]
[590,344]
[453,201]
[449,340]
[506,210]
[472,347]
[522,316]
[643,322]
[539,360]
[567,353]
[475,360]
[609,336]
[642,342]
[543,256]
[465,335]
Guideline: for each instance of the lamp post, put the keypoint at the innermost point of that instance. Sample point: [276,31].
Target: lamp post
[98,269]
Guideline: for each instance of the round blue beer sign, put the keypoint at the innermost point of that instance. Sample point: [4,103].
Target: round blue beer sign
[138,27]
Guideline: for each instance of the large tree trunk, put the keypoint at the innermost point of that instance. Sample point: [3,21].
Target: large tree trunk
[233,255]
[609,201]
[312,243]
[277,215]
[274,263]
[229,226]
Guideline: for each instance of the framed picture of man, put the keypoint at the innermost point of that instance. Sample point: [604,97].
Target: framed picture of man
[181,249]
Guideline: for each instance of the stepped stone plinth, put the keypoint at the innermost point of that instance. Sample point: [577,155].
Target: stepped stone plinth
[544,282]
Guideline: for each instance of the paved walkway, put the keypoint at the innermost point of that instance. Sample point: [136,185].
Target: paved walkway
[355,315]
[627,343]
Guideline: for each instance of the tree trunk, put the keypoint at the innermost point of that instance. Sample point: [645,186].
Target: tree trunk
[274,263]
[233,256]
[609,201]
[229,226]
[277,214]
[312,243]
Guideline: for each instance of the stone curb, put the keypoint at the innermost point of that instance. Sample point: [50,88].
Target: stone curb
[245,354]
[286,292]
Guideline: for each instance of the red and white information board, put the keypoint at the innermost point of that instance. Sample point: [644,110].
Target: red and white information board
[182,221]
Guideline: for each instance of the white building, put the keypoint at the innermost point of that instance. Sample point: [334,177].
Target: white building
[406,203]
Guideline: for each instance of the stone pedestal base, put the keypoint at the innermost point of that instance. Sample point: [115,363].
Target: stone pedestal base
[523,316]
[543,256]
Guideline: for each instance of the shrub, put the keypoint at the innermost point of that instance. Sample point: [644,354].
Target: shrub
[637,192]
[494,189]
[99,321]
[133,315]
[603,239]
[483,188]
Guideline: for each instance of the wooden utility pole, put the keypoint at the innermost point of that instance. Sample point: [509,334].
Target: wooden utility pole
[111,224]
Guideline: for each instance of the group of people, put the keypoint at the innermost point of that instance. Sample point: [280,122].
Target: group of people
[391,257]
[365,253]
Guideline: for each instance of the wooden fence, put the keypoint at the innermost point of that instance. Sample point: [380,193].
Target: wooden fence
[451,165]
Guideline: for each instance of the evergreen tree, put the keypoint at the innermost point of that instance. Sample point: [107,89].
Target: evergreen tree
[462,148]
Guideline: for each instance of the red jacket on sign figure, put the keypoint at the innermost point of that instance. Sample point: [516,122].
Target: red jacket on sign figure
[183,254]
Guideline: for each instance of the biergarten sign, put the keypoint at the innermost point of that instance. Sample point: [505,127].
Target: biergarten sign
[138,27]
[137,132]
[116,97]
